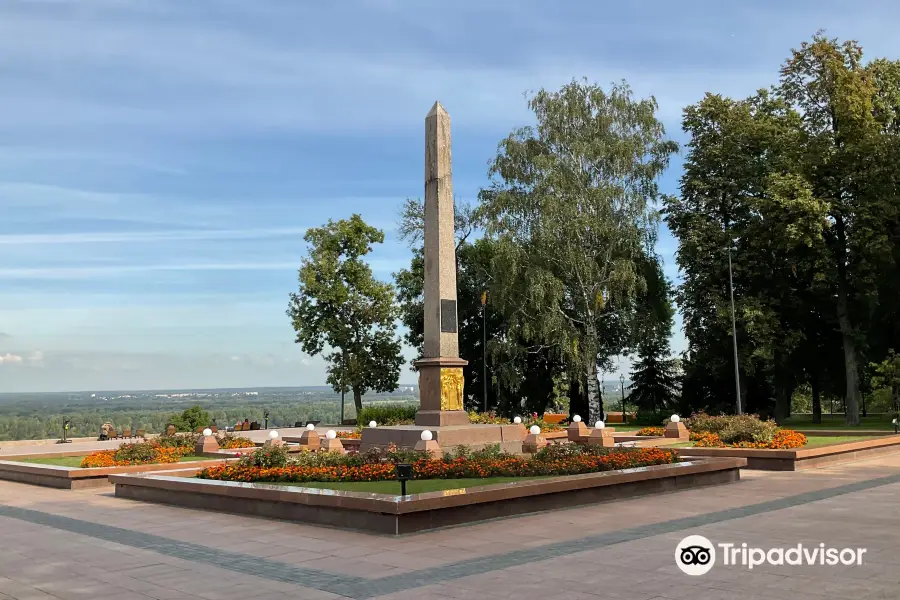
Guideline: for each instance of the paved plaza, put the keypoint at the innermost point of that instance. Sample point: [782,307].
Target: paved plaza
[91,545]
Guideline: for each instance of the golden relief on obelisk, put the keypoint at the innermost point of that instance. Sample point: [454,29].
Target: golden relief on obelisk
[451,389]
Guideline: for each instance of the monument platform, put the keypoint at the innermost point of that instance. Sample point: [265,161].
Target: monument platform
[475,437]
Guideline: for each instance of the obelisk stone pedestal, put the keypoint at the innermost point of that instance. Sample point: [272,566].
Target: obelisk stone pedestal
[440,392]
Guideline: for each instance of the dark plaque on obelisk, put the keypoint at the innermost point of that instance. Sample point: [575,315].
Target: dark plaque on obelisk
[448,316]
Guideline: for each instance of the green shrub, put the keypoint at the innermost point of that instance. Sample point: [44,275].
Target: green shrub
[179,440]
[140,452]
[649,417]
[486,418]
[266,457]
[703,423]
[748,428]
[191,419]
[388,414]
[732,429]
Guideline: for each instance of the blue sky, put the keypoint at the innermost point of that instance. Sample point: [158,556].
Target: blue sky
[161,159]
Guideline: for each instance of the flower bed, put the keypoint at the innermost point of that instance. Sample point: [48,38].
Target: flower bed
[784,439]
[349,435]
[553,460]
[229,442]
[651,431]
[140,453]
[741,431]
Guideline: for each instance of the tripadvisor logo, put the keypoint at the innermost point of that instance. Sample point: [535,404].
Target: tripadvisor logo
[696,555]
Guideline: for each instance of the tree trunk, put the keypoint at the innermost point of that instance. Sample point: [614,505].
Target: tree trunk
[852,398]
[357,400]
[851,401]
[782,404]
[577,398]
[595,403]
[816,399]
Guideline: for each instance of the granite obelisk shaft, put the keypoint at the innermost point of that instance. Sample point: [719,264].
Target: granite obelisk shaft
[440,369]
[441,337]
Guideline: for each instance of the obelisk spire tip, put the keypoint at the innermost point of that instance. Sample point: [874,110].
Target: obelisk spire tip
[437,109]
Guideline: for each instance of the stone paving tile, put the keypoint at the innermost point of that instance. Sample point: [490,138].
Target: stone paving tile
[169,553]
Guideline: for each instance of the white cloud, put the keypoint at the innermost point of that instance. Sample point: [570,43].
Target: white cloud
[151,236]
[53,273]
[37,203]
[250,79]
[10,359]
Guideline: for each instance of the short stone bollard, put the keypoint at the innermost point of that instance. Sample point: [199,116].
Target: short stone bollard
[601,435]
[206,443]
[534,441]
[676,429]
[310,439]
[332,443]
[274,440]
[428,444]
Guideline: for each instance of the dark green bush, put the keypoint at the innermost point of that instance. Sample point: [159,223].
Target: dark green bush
[179,440]
[266,457]
[140,452]
[388,414]
[733,428]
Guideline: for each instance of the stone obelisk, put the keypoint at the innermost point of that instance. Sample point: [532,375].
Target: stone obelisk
[440,368]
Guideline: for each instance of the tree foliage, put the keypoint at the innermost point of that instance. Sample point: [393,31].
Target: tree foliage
[190,419]
[798,183]
[571,207]
[655,375]
[342,309]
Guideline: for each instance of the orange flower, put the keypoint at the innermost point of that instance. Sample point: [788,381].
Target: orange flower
[652,431]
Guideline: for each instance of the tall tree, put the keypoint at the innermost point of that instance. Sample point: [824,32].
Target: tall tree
[342,307]
[844,114]
[655,374]
[571,206]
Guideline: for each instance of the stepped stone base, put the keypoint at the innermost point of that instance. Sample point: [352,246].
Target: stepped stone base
[475,437]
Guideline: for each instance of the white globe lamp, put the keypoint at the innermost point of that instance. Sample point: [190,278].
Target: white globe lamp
[311,427]
[517,420]
[207,432]
[373,424]
[331,434]
[273,434]
[427,436]
[599,425]
[535,430]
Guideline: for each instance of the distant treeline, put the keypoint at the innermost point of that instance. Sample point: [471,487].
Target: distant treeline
[19,422]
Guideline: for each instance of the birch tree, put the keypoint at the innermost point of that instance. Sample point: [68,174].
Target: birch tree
[571,205]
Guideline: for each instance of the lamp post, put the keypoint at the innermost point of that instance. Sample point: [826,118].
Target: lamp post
[484,346]
[737,374]
[622,381]
[266,417]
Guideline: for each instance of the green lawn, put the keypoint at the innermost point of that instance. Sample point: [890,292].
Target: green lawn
[825,440]
[877,422]
[412,487]
[75,461]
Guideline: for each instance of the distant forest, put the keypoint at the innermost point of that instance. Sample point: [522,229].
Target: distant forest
[41,416]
